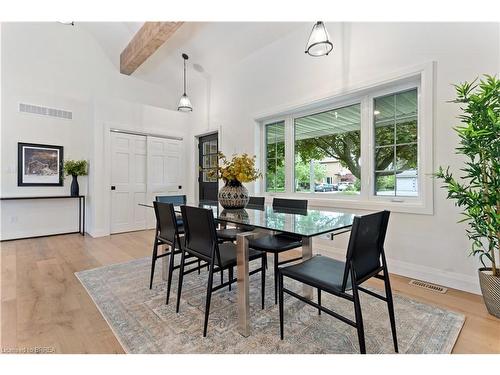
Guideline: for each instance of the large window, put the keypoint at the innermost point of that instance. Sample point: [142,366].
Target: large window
[275,157]
[328,151]
[395,158]
[370,148]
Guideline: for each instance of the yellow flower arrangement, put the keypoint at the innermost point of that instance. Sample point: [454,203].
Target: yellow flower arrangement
[241,168]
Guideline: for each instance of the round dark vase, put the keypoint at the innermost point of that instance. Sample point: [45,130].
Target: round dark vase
[233,195]
[75,189]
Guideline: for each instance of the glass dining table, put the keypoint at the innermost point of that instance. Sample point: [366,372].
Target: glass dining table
[304,223]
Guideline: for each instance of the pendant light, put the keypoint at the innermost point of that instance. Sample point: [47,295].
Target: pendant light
[184,102]
[319,41]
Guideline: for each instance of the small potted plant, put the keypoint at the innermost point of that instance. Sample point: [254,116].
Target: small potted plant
[75,168]
[234,172]
[477,191]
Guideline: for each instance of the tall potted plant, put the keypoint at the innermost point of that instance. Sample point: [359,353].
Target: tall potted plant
[234,172]
[75,168]
[477,191]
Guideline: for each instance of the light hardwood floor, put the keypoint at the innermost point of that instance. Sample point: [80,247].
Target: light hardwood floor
[43,304]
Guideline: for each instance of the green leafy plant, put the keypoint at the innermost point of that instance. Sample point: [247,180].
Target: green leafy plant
[75,167]
[478,190]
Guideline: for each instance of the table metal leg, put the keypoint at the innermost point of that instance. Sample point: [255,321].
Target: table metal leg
[307,254]
[80,215]
[83,214]
[164,263]
[243,283]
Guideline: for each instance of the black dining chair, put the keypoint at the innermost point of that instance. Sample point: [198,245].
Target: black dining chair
[168,234]
[365,259]
[278,243]
[176,200]
[201,242]
[229,234]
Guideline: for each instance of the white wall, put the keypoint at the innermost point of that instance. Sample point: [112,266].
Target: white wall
[432,248]
[60,66]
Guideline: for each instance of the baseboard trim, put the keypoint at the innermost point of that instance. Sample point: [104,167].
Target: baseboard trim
[447,279]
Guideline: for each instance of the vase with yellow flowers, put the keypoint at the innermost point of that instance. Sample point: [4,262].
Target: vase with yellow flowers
[235,172]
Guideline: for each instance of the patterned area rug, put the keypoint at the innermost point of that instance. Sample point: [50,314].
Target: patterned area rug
[143,323]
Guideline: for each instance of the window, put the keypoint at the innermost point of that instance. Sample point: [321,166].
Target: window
[328,151]
[370,148]
[275,157]
[395,151]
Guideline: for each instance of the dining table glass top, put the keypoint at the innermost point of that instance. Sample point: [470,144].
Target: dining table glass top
[305,223]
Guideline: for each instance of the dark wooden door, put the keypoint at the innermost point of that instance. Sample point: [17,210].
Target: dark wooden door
[207,149]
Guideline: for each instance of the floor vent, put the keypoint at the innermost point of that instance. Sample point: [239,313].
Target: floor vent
[45,111]
[428,286]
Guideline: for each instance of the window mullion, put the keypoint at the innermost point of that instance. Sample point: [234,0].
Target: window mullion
[366,147]
[289,155]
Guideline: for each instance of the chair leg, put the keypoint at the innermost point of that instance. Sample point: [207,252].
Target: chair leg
[281,303]
[275,278]
[231,271]
[222,276]
[199,266]
[153,263]
[181,277]
[209,296]
[170,272]
[263,279]
[319,301]
[359,320]
[390,306]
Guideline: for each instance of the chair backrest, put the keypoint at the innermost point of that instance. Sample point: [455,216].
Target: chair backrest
[166,222]
[366,245]
[300,204]
[176,200]
[199,232]
[256,201]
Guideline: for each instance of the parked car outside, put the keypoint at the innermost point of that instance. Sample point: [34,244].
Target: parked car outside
[324,187]
[343,186]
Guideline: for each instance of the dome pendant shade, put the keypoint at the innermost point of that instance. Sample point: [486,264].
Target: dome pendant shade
[319,41]
[184,102]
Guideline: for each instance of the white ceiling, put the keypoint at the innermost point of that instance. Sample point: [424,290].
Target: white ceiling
[210,45]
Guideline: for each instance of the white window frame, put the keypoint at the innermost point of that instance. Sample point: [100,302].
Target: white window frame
[420,77]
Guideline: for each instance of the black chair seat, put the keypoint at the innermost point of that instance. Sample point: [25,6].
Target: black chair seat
[228,234]
[228,255]
[275,243]
[320,272]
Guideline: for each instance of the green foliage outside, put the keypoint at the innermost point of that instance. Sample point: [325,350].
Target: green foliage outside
[75,167]
[386,183]
[303,174]
[477,190]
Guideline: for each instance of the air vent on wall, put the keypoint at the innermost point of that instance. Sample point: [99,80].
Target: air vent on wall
[45,111]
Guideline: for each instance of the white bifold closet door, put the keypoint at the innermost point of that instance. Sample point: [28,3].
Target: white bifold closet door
[128,182]
[142,168]
[164,170]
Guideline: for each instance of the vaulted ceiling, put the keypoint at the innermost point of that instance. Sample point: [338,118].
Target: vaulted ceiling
[210,45]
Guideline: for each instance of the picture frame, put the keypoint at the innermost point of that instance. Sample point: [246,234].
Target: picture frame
[39,164]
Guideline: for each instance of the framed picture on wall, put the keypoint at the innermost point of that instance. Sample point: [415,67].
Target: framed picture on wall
[39,165]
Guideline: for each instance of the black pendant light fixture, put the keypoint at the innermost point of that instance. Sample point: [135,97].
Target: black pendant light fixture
[184,102]
[319,41]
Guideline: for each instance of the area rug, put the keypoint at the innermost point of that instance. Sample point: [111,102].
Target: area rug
[143,323]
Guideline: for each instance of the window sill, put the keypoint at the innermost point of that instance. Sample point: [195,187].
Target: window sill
[410,207]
